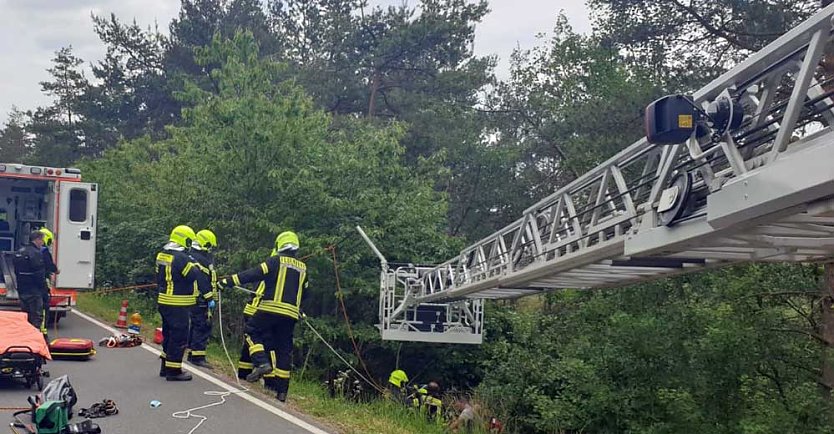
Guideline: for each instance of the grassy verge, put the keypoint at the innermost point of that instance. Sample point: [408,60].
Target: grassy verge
[306,395]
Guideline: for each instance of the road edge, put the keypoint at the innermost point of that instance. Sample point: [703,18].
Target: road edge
[218,382]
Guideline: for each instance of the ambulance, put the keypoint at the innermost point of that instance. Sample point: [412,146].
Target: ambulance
[32,197]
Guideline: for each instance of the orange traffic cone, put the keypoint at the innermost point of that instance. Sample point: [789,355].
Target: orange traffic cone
[157,336]
[122,321]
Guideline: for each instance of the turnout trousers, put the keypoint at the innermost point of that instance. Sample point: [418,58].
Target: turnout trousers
[244,365]
[199,333]
[268,331]
[175,324]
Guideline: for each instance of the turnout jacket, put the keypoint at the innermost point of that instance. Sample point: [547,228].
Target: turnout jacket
[283,283]
[177,274]
[205,261]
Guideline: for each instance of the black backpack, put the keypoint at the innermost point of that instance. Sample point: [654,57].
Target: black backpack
[23,261]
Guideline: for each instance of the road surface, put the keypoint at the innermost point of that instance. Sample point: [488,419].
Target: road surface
[129,376]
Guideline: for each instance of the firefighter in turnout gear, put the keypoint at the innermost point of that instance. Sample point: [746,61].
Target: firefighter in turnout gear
[50,269]
[244,365]
[177,273]
[397,383]
[277,307]
[200,330]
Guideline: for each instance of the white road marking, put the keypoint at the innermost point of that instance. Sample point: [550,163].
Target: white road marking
[260,403]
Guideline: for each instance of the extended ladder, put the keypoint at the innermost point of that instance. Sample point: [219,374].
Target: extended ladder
[757,187]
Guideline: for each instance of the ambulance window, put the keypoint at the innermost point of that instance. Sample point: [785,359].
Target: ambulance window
[78,206]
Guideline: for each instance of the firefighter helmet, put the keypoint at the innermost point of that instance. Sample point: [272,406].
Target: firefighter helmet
[286,241]
[183,235]
[47,236]
[398,378]
[206,239]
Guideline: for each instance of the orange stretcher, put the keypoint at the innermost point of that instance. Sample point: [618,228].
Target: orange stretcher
[17,333]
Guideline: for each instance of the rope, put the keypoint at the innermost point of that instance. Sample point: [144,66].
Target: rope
[332,250]
[122,288]
[316,332]
[187,414]
[321,338]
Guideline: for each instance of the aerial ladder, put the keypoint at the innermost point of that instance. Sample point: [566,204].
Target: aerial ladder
[740,171]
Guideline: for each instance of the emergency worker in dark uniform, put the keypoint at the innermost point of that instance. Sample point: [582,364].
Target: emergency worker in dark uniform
[31,274]
[200,331]
[176,274]
[277,308]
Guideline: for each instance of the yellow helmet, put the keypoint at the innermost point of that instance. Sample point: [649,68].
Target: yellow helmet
[206,239]
[47,236]
[398,378]
[286,241]
[183,235]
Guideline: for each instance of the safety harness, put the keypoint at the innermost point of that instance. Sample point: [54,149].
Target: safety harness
[104,408]
[121,341]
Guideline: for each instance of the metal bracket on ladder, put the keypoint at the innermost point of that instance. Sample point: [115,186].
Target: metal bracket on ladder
[402,318]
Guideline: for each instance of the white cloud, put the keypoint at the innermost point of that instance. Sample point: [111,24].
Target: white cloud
[32,30]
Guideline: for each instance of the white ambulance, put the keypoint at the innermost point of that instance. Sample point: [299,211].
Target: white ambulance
[32,197]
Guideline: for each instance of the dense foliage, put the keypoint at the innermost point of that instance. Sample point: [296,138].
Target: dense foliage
[318,115]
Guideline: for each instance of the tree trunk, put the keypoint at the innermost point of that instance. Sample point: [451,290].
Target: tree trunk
[374,87]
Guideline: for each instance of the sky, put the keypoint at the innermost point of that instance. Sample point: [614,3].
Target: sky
[32,30]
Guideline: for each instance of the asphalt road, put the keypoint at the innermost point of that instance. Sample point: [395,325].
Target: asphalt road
[129,376]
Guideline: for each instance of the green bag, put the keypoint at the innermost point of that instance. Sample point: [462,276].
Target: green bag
[51,417]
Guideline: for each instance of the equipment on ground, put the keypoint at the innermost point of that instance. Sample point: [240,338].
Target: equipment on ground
[135,323]
[714,183]
[48,417]
[72,349]
[61,390]
[121,320]
[106,407]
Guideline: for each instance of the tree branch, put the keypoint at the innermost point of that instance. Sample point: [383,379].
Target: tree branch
[710,27]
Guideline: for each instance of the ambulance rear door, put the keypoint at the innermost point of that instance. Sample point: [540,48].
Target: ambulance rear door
[75,243]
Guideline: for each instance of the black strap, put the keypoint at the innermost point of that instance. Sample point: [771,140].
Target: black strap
[100,409]
[85,427]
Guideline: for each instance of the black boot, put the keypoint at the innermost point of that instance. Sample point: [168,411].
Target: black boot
[177,375]
[199,361]
[162,371]
[282,385]
[270,384]
[259,372]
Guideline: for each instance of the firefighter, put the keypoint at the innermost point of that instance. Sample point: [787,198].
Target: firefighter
[432,404]
[417,396]
[200,330]
[31,274]
[277,309]
[50,269]
[177,273]
[397,382]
